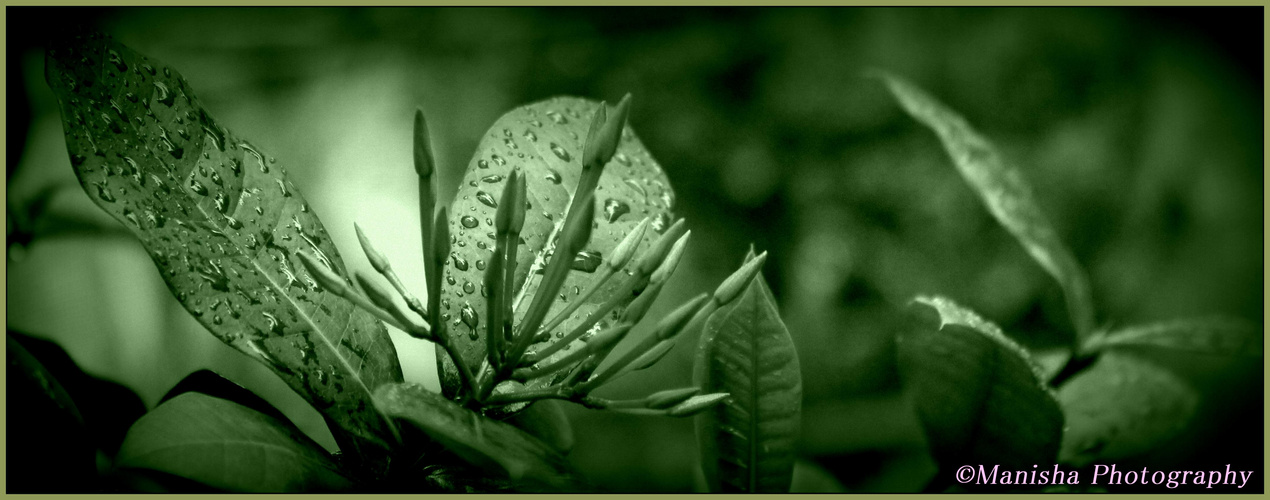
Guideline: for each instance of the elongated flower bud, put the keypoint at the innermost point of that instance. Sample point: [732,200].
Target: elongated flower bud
[602,143]
[325,277]
[518,215]
[652,258]
[376,293]
[674,322]
[671,261]
[736,283]
[376,259]
[639,307]
[591,147]
[578,233]
[422,146]
[698,404]
[506,205]
[653,355]
[670,397]
[623,252]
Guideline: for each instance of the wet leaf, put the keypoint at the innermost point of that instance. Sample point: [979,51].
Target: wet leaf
[223,224]
[544,140]
[228,447]
[748,442]
[978,395]
[1005,192]
[1207,336]
[489,444]
[1122,407]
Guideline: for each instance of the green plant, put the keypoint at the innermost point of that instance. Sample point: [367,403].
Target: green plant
[984,399]
[244,253]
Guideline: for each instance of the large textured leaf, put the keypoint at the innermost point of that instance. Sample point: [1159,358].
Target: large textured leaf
[1206,336]
[1005,192]
[490,444]
[544,140]
[978,395]
[747,444]
[229,447]
[223,224]
[1120,407]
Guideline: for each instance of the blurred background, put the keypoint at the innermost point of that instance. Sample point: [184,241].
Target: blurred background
[1140,129]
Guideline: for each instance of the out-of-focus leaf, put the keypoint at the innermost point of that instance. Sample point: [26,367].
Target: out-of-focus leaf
[213,384]
[978,395]
[223,224]
[1120,407]
[48,448]
[229,447]
[1005,192]
[544,140]
[1207,336]
[748,443]
[486,443]
[546,421]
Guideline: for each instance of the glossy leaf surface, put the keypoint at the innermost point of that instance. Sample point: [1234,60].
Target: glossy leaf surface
[228,447]
[1005,192]
[978,395]
[223,224]
[544,140]
[748,442]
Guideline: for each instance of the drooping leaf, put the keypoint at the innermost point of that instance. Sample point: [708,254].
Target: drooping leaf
[978,395]
[223,224]
[546,421]
[48,447]
[748,443]
[490,444]
[213,384]
[1005,192]
[1120,407]
[229,447]
[1207,336]
[544,140]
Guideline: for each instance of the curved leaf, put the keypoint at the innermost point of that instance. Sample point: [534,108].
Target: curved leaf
[546,421]
[213,384]
[544,140]
[223,224]
[1121,407]
[747,443]
[229,447]
[979,396]
[48,447]
[1006,194]
[1208,336]
[483,442]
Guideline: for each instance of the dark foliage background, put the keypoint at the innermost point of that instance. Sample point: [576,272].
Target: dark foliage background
[1141,130]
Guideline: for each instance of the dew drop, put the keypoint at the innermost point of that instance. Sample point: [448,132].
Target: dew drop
[459,263]
[468,287]
[482,164]
[198,187]
[531,136]
[560,152]
[660,223]
[614,209]
[510,144]
[480,266]
[498,160]
[485,198]
[469,222]
[553,176]
[557,117]
[490,179]
[587,261]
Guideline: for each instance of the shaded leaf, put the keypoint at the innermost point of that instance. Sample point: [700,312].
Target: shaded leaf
[229,447]
[748,442]
[213,384]
[223,224]
[490,444]
[48,447]
[546,421]
[544,140]
[1005,192]
[1207,336]
[978,395]
[1121,407]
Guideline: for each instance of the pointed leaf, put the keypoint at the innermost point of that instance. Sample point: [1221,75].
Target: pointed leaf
[223,224]
[483,442]
[747,444]
[1207,336]
[229,447]
[1005,192]
[1122,407]
[978,395]
[544,140]
[213,384]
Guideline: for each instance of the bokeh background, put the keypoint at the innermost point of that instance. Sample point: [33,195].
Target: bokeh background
[1141,130]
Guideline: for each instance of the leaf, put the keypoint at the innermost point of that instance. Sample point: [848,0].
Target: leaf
[213,384]
[978,395]
[1222,336]
[486,443]
[49,449]
[227,446]
[1006,194]
[748,443]
[223,224]
[544,140]
[1122,407]
[546,420]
